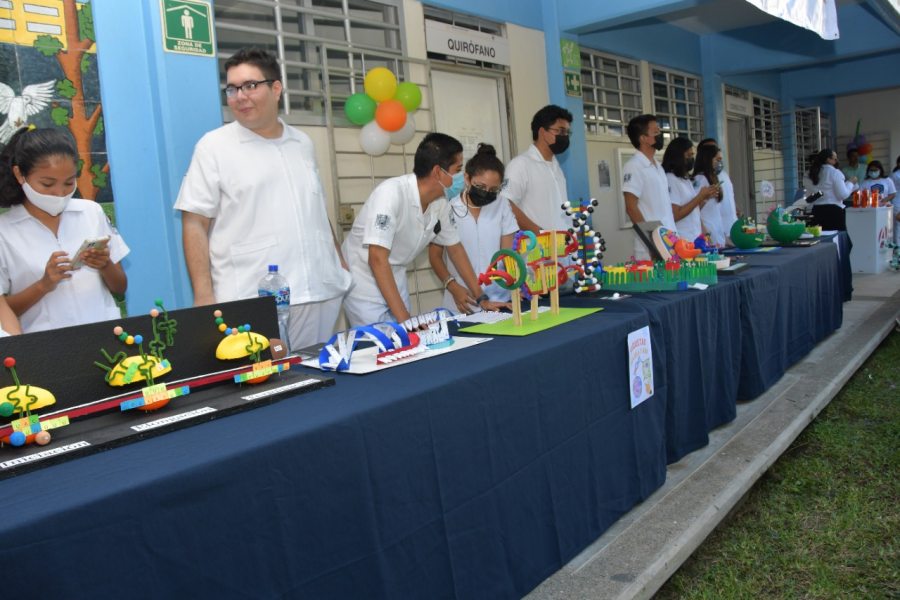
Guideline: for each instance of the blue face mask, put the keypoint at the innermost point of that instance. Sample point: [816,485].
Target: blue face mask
[874,174]
[456,187]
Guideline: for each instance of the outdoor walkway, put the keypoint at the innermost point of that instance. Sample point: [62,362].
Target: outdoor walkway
[645,547]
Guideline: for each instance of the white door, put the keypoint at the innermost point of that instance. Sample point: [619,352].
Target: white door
[471,108]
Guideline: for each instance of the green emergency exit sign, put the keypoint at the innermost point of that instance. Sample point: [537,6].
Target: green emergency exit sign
[573,83]
[187,27]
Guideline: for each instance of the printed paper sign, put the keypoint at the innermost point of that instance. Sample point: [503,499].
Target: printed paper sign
[640,365]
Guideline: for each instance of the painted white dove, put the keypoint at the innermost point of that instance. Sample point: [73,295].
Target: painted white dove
[34,99]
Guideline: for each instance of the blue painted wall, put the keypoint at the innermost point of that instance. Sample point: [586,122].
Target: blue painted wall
[156,106]
[527,13]
[653,41]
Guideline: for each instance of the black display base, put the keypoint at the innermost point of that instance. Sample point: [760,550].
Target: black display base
[102,432]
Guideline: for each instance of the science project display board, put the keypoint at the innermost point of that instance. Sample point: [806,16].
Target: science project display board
[79,390]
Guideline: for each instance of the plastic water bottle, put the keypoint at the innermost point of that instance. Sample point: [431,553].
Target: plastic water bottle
[274,284]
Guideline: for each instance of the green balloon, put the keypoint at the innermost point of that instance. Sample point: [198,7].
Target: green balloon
[409,95]
[360,109]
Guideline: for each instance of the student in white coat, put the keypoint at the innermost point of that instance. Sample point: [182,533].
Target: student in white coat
[687,202]
[535,183]
[705,175]
[398,220]
[45,284]
[823,176]
[644,183]
[727,206]
[485,223]
[252,198]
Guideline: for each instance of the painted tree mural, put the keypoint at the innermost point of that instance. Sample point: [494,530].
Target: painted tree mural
[74,60]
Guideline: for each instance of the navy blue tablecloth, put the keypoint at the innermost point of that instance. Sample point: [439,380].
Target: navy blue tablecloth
[734,340]
[791,300]
[473,475]
[697,336]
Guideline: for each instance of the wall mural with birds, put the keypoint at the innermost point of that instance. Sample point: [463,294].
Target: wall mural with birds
[49,78]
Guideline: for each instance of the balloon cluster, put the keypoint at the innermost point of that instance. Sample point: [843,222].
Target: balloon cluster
[384,110]
[863,147]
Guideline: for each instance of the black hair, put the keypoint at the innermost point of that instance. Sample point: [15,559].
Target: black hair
[706,141]
[852,150]
[436,149]
[25,149]
[546,117]
[673,160]
[817,161]
[264,60]
[703,164]
[485,159]
[637,127]
[876,164]
[897,167]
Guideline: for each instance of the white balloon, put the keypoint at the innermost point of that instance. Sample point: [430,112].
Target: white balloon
[374,140]
[405,133]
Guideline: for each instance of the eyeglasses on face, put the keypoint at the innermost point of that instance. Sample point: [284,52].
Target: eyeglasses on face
[559,131]
[231,91]
[484,188]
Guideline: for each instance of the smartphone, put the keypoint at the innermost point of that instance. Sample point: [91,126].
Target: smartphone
[95,244]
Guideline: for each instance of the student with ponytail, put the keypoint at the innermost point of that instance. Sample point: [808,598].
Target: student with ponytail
[485,223]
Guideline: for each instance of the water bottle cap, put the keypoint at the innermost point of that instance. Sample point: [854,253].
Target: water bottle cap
[273,268]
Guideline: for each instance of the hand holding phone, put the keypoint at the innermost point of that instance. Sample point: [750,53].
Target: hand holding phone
[97,244]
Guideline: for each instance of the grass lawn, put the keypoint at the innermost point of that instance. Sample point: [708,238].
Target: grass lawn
[824,521]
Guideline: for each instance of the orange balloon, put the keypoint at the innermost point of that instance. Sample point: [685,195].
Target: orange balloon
[390,115]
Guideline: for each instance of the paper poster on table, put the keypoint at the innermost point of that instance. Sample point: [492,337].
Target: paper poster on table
[640,365]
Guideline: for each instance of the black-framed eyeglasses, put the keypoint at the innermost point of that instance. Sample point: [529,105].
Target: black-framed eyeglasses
[557,131]
[246,87]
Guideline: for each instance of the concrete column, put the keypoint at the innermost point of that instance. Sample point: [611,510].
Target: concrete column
[156,105]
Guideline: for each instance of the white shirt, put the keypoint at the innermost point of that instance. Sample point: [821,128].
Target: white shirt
[392,217]
[884,185]
[711,214]
[538,188]
[727,207]
[647,181]
[832,185]
[268,208]
[481,239]
[25,247]
[681,192]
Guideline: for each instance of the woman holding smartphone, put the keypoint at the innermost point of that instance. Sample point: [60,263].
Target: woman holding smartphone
[43,230]
[705,174]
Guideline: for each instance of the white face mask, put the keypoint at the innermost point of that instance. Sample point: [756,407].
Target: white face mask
[52,205]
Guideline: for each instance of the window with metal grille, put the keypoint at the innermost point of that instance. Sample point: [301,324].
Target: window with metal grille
[812,132]
[321,45]
[766,124]
[677,103]
[611,88]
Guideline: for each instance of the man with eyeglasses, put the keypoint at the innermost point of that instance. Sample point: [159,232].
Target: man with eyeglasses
[252,198]
[398,220]
[535,184]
